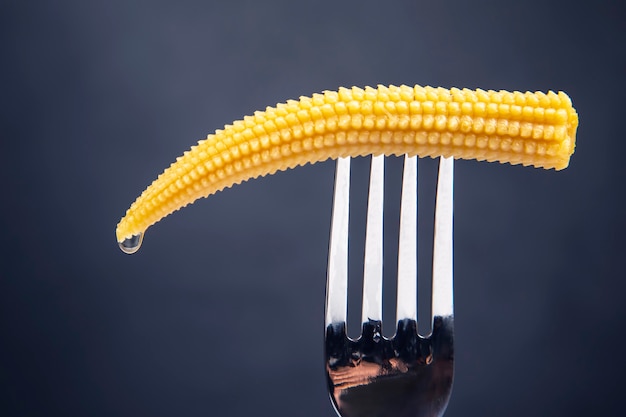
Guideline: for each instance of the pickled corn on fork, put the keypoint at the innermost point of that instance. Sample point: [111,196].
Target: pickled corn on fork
[408,374]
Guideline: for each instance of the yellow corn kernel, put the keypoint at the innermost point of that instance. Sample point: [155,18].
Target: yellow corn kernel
[532,129]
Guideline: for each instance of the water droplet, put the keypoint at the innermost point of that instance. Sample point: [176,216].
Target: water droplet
[131,244]
[376,337]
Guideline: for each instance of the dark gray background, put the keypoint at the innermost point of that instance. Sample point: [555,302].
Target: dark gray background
[221,311]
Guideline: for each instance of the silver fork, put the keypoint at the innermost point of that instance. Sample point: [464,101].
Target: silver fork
[408,374]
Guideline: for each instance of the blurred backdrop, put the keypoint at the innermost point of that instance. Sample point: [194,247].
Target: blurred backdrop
[221,311]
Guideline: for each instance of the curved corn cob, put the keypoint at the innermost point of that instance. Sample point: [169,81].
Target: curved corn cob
[519,128]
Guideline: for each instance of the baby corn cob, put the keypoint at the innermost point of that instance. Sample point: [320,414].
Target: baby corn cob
[534,129]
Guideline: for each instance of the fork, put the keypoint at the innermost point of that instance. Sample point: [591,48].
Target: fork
[407,374]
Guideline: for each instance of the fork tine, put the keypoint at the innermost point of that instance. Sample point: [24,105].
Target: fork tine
[442,289]
[406,307]
[373,262]
[337,281]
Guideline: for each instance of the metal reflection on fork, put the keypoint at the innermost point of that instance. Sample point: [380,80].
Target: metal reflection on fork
[408,374]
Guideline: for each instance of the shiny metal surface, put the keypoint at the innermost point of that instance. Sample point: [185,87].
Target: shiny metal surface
[406,375]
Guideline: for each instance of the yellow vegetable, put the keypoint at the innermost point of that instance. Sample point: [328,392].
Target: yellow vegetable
[535,129]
